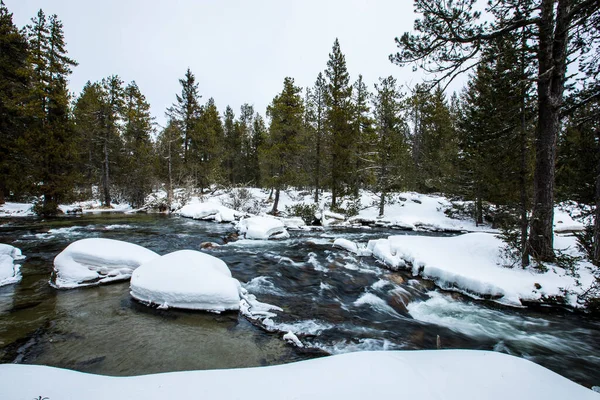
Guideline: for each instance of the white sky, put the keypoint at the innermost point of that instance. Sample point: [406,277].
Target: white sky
[240,51]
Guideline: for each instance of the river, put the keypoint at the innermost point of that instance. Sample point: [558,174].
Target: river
[334,301]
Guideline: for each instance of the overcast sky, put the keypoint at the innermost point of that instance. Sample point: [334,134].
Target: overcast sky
[240,51]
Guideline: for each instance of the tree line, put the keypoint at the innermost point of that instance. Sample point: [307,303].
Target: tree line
[499,141]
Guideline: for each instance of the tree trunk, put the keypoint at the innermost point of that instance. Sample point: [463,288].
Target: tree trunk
[381,203]
[553,39]
[106,180]
[318,164]
[478,211]
[523,167]
[276,202]
[596,255]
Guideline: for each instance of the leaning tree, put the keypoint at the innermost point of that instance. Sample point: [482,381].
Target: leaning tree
[449,38]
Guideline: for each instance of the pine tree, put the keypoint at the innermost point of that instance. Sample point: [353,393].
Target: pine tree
[88,128]
[364,135]
[286,113]
[450,36]
[210,146]
[245,126]
[169,151]
[338,117]
[318,120]
[137,131]
[185,112]
[14,82]
[52,152]
[259,134]
[110,116]
[390,144]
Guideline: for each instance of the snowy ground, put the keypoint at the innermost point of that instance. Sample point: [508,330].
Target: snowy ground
[424,375]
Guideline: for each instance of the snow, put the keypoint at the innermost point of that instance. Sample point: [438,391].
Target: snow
[290,337]
[473,264]
[93,261]
[9,209]
[208,211]
[186,279]
[424,375]
[9,271]
[351,247]
[262,228]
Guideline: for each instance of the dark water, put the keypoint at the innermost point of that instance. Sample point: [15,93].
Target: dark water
[335,302]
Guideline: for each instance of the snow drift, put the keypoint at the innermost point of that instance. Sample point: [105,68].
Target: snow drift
[424,375]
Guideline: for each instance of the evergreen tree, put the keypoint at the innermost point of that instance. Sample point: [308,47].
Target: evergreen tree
[451,35]
[286,113]
[137,131]
[169,151]
[88,128]
[434,141]
[52,148]
[185,112]
[318,110]
[14,84]
[245,127]
[210,146]
[390,145]
[233,146]
[110,116]
[364,135]
[259,134]
[338,117]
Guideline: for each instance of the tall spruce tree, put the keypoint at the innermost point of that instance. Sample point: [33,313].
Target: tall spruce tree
[364,135]
[110,117]
[390,144]
[185,112]
[286,113]
[137,131]
[259,134]
[319,131]
[52,148]
[338,118]
[210,147]
[14,86]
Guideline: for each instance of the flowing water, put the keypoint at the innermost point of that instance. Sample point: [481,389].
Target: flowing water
[334,301]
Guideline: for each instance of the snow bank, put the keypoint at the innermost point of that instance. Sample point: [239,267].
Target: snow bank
[209,211]
[423,375]
[472,263]
[9,209]
[93,261]
[262,228]
[186,279]
[9,271]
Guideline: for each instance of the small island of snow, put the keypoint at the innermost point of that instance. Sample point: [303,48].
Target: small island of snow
[94,261]
[9,271]
[186,279]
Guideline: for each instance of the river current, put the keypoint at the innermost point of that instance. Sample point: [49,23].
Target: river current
[334,301]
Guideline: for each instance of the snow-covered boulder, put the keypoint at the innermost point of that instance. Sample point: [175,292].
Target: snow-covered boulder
[262,228]
[93,261]
[9,271]
[293,222]
[186,279]
[351,246]
[209,211]
[422,375]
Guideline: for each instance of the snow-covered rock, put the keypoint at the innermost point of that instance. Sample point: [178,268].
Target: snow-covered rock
[93,261]
[209,211]
[423,375]
[186,279]
[293,222]
[9,271]
[262,228]
[351,246]
[473,263]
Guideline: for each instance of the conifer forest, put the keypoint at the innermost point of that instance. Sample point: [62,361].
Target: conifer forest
[513,154]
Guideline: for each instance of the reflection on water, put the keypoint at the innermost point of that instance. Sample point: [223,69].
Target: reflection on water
[332,300]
